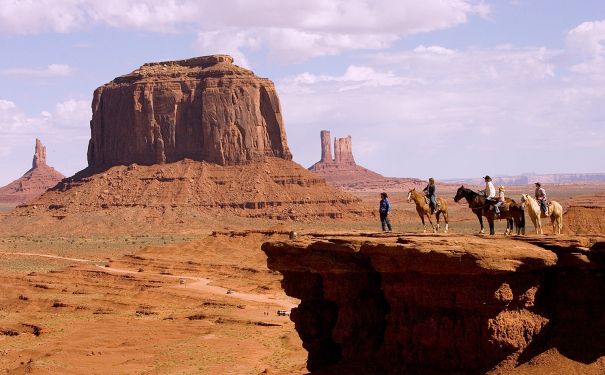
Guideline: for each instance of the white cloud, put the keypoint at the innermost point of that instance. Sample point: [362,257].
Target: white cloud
[355,77]
[588,38]
[586,45]
[73,112]
[505,108]
[69,118]
[52,70]
[291,30]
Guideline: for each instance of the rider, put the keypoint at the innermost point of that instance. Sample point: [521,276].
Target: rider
[490,191]
[541,197]
[430,193]
[500,200]
[384,209]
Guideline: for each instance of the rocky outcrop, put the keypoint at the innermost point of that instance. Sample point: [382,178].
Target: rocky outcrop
[342,172]
[326,149]
[204,108]
[39,155]
[445,304]
[343,151]
[201,138]
[187,192]
[34,182]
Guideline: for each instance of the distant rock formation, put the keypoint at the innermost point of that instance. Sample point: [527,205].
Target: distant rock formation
[39,155]
[527,179]
[204,108]
[34,182]
[341,170]
[176,141]
[343,151]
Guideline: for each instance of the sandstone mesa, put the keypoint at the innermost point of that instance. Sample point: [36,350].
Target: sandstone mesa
[204,108]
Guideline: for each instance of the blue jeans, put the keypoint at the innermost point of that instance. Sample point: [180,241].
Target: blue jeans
[544,206]
[497,207]
[384,221]
[433,203]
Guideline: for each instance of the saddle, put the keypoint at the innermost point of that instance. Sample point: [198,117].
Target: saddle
[428,202]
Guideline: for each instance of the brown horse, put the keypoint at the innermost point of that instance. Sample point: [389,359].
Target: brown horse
[423,209]
[510,210]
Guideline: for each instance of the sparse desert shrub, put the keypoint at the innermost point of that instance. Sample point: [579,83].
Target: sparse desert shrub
[197,317]
[23,297]
[58,303]
[8,332]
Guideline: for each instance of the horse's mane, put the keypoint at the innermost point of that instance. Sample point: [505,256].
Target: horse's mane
[469,191]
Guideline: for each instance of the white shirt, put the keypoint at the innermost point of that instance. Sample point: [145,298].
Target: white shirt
[490,190]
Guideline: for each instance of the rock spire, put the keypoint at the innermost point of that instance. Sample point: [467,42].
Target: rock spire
[34,182]
[39,155]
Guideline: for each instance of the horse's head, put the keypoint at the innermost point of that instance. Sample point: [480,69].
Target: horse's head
[410,192]
[460,193]
[524,198]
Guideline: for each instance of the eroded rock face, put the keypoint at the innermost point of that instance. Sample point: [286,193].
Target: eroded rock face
[34,182]
[204,108]
[456,304]
[326,149]
[343,150]
[39,155]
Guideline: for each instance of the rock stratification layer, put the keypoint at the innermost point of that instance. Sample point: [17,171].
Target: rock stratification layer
[446,304]
[34,182]
[203,108]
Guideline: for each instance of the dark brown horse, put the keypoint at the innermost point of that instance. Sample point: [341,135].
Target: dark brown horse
[510,210]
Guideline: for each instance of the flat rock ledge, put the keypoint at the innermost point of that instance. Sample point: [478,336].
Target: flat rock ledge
[442,304]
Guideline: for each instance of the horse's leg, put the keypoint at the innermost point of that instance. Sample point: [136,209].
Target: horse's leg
[480,222]
[438,224]
[553,223]
[535,222]
[431,221]
[490,221]
[423,224]
[445,217]
[539,231]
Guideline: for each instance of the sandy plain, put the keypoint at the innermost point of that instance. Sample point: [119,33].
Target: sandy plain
[199,300]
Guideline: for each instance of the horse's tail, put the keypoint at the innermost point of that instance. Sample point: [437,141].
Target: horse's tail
[521,220]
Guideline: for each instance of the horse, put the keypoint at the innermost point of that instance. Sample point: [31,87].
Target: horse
[555,212]
[423,209]
[481,207]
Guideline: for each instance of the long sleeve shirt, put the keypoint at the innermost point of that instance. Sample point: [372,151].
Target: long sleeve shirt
[540,194]
[429,190]
[490,190]
[501,196]
[385,206]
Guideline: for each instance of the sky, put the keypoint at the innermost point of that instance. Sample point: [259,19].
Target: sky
[442,88]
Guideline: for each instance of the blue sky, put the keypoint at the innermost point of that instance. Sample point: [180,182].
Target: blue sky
[443,88]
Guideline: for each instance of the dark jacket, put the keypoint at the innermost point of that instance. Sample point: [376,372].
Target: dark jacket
[429,190]
[385,206]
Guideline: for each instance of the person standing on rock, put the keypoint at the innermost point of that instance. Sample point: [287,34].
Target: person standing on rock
[431,194]
[384,209]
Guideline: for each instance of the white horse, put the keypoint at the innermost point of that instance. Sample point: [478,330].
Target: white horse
[555,212]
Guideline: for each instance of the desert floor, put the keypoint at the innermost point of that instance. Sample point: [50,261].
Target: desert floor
[198,301]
